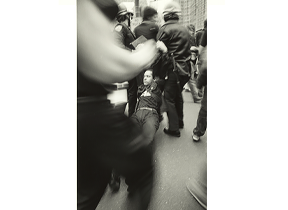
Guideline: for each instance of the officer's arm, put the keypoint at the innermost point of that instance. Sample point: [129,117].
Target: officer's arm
[119,36]
[97,56]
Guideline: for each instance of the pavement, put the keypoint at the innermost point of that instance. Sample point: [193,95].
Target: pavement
[177,160]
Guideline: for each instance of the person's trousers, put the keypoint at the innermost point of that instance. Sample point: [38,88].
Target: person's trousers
[194,90]
[148,121]
[132,96]
[202,116]
[106,140]
[174,99]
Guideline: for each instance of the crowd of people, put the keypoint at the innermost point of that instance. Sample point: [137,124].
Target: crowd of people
[109,143]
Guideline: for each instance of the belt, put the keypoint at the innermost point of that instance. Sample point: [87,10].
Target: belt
[89,99]
[147,108]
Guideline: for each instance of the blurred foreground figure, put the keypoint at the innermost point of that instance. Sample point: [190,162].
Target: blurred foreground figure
[198,188]
[106,138]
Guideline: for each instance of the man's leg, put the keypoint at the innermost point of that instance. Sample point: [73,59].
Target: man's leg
[194,90]
[179,100]
[170,91]
[150,124]
[202,119]
[112,142]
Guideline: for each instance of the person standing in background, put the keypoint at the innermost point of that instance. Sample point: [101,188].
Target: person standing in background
[149,29]
[191,29]
[201,126]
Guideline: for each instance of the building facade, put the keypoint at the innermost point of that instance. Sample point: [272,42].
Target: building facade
[193,11]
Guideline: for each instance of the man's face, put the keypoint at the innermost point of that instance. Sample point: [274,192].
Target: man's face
[155,18]
[148,77]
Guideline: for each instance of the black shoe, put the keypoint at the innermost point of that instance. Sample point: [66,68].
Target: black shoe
[172,133]
[114,183]
[197,100]
[181,124]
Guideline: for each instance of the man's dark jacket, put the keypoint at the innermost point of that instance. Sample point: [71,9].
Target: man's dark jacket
[148,29]
[149,96]
[176,38]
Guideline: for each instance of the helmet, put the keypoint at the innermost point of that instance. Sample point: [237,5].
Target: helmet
[172,7]
[123,10]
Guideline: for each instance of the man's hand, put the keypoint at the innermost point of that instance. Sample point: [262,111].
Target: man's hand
[161,46]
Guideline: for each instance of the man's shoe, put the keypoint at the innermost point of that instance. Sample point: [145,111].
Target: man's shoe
[195,137]
[172,133]
[197,100]
[114,183]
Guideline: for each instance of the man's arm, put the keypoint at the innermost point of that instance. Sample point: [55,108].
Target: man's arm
[97,56]
[119,36]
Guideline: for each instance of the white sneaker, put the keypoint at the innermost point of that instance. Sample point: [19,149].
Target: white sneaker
[195,137]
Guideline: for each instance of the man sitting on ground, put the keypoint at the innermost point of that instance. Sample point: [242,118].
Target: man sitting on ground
[147,110]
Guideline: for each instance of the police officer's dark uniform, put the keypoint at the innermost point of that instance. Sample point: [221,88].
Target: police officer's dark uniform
[106,140]
[176,38]
[124,37]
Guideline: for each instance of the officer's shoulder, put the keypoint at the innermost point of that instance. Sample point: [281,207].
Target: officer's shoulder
[118,28]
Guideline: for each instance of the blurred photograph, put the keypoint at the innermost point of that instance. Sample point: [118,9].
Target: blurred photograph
[141,104]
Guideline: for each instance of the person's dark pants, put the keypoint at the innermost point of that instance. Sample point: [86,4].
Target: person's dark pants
[174,99]
[194,89]
[148,121]
[106,140]
[132,96]
[202,117]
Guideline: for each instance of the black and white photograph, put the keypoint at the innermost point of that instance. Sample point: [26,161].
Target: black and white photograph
[104,105]
[141,104]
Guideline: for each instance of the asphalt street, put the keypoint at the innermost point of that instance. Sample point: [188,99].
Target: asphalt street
[177,160]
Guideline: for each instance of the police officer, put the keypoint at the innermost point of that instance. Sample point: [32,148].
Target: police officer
[177,69]
[106,138]
[124,37]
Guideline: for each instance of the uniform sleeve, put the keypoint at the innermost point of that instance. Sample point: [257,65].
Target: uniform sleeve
[136,32]
[119,36]
[203,41]
[162,36]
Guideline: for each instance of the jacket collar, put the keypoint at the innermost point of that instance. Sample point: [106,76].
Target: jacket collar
[152,86]
[170,22]
[147,21]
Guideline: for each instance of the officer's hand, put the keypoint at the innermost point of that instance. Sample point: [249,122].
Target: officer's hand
[161,46]
[139,46]
[145,55]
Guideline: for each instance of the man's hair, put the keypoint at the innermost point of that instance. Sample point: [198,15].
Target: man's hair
[149,70]
[149,12]
[191,27]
